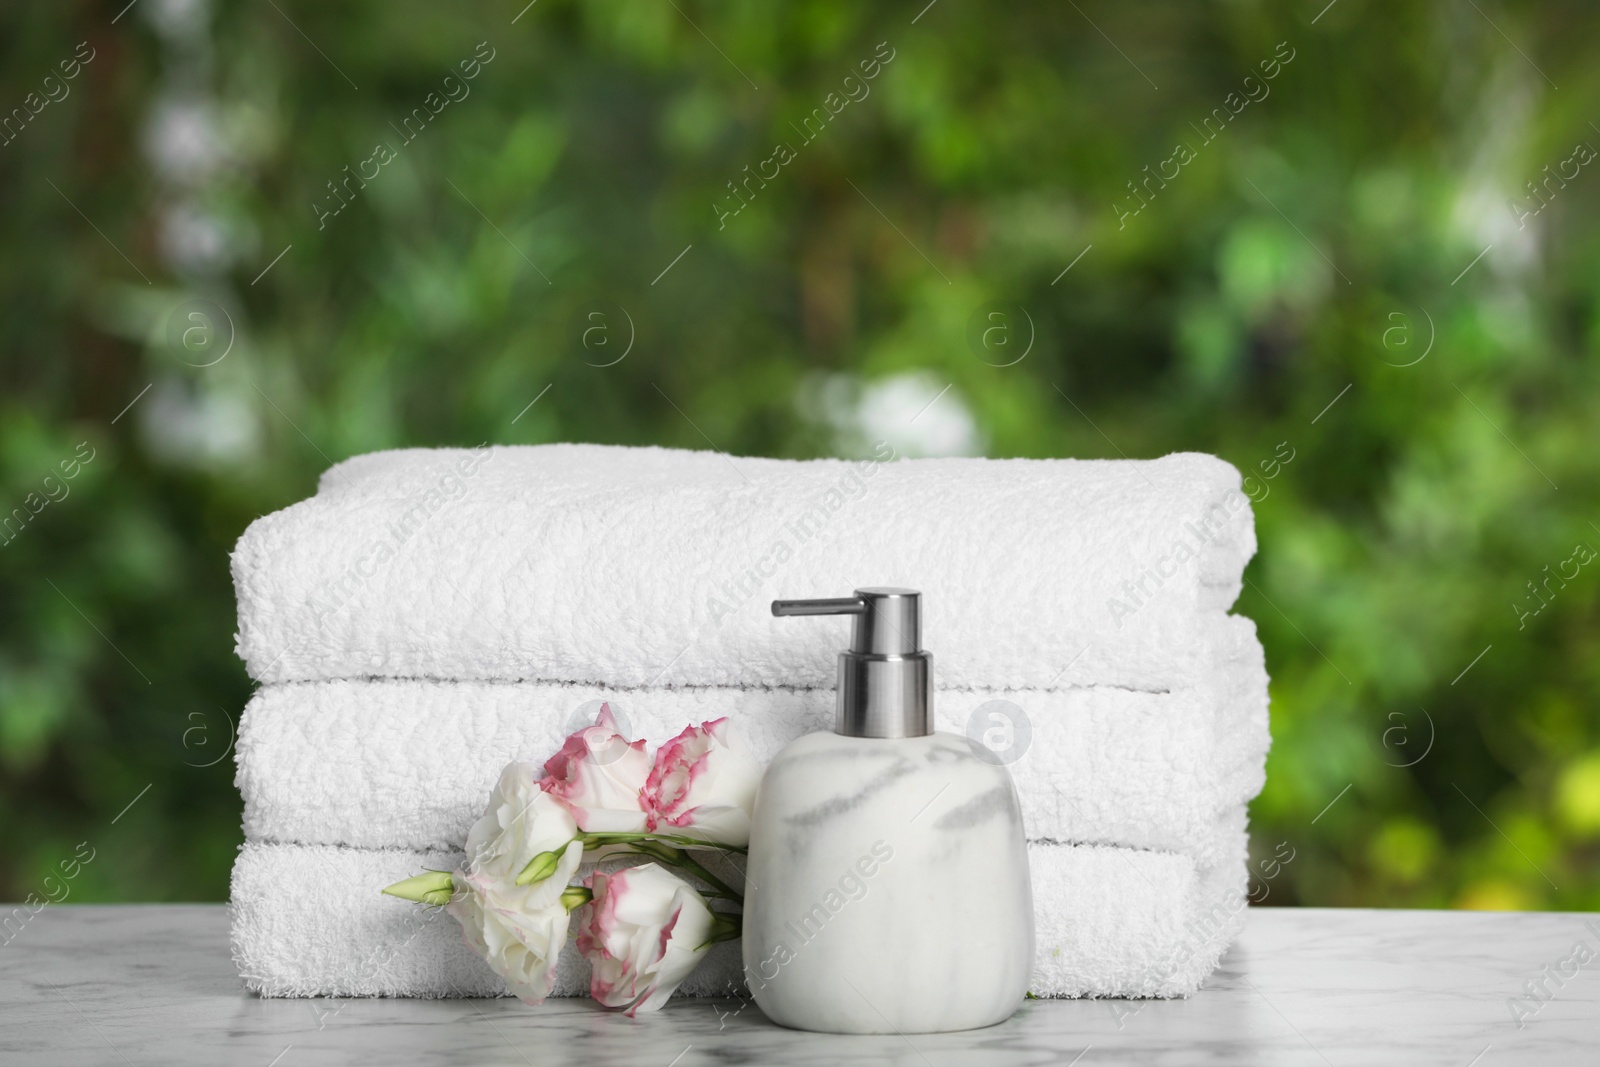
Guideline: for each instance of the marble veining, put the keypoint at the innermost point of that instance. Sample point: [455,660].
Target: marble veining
[999,801]
[896,766]
[153,984]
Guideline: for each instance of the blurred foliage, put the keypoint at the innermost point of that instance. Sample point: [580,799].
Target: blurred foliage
[1300,288]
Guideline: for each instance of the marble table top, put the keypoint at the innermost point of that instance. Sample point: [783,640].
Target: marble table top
[153,984]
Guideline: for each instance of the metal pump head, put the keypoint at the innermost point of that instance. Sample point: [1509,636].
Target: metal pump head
[885,678]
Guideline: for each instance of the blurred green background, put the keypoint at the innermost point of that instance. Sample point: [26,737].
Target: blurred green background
[1345,233]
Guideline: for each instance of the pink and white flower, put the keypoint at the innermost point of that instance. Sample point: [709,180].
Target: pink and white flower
[598,775]
[703,785]
[645,929]
[643,934]
[519,930]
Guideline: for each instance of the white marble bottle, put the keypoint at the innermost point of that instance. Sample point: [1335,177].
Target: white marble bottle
[888,887]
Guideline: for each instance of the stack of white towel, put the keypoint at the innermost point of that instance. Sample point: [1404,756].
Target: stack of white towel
[431,615]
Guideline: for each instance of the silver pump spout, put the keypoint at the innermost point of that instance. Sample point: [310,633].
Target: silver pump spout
[885,678]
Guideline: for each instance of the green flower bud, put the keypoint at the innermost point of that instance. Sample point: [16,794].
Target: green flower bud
[540,867]
[576,896]
[430,887]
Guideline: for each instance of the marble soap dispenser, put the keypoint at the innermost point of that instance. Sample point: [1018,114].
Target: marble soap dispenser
[888,886]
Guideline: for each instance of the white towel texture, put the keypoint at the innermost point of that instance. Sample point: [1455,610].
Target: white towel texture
[639,567]
[431,615]
[307,921]
[408,763]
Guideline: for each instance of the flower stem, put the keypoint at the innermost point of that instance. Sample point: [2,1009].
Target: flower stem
[658,849]
[620,838]
[720,887]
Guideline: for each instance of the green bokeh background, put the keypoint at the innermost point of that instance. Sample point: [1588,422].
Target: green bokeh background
[1311,253]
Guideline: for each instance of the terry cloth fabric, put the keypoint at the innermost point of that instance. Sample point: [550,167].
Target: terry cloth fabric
[309,920]
[646,566]
[407,763]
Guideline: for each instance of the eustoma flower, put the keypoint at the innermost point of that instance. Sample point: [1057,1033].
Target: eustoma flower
[518,923]
[643,934]
[645,929]
[703,785]
[598,775]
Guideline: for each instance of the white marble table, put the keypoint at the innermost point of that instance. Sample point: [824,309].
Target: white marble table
[153,984]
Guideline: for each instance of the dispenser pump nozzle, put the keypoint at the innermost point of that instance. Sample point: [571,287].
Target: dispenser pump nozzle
[885,678]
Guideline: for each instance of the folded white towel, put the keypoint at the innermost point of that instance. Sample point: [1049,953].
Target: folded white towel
[1128,923]
[308,920]
[404,763]
[635,567]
